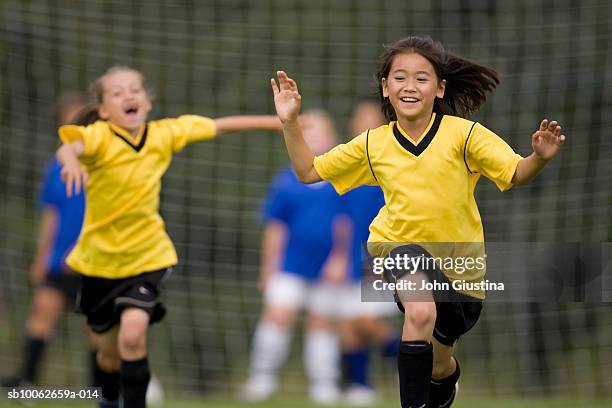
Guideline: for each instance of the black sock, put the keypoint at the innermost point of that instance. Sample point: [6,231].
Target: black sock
[414,365]
[135,378]
[33,353]
[442,392]
[109,383]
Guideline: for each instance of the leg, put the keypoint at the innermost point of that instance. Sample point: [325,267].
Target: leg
[322,358]
[444,376]
[283,299]
[47,306]
[107,367]
[355,353]
[415,356]
[270,349]
[132,342]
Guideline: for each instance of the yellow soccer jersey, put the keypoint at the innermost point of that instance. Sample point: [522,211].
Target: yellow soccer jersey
[123,233]
[428,185]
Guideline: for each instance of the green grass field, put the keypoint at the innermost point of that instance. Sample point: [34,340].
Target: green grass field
[302,404]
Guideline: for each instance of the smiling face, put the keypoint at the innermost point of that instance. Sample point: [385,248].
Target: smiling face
[412,85]
[124,100]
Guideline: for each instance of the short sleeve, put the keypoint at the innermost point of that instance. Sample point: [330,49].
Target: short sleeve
[189,129]
[94,137]
[346,166]
[277,204]
[490,155]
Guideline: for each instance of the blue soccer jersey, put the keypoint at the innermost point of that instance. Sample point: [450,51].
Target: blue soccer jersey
[362,205]
[70,212]
[308,211]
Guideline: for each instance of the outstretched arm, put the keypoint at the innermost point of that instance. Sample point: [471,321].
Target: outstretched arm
[546,143]
[288,101]
[231,124]
[72,173]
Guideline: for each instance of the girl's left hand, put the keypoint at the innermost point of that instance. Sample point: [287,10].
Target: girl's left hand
[547,140]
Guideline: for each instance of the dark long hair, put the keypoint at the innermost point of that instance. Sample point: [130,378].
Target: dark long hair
[467,82]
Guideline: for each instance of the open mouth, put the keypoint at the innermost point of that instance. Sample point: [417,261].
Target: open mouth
[131,110]
[409,100]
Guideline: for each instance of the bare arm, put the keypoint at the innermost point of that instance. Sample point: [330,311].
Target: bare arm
[288,101]
[72,173]
[336,266]
[231,124]
[546,143]
[46,234]
[272,246]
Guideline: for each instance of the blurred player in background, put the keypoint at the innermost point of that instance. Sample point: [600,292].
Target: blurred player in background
[364,324]
[304,261]
[56,285]
[124,252]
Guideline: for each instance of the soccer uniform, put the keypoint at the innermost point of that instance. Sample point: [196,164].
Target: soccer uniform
[123,237]
[308,211]
[69,212]
[428,186]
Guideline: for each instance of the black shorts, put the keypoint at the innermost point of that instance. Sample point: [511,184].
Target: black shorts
[456,313]
[102,300]
[67,283]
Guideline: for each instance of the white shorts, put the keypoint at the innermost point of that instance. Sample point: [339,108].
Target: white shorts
[321,298]
[295,292]
[353,307]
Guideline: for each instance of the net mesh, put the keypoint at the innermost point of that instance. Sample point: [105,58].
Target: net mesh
[215,58]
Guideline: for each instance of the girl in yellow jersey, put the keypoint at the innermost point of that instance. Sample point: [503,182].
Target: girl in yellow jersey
[427,161]
[123,251]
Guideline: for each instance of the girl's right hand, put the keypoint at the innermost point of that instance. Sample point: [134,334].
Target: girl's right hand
[287,99]
[74,176]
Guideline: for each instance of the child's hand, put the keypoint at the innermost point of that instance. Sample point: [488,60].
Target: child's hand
[74,176]
[547,140]
[287,100]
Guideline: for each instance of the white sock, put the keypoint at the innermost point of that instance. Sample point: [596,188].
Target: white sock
[322,358]
[270,349]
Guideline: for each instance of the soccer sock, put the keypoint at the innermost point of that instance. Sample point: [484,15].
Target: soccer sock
[322,357]
[442,392]
[135,378]
[390,347]
[414,364]
[34,349]
[109,382]
[270,349]
[356,363]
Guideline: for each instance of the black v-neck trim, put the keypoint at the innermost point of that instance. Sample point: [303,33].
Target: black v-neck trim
[422,145]
[140,145]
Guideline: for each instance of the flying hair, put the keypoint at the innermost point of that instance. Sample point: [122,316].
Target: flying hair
[467,82]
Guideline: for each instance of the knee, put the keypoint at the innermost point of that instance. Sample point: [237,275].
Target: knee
[279,316]
[46,307]
[420,316]
[108,361]
[132,339]
[319,322]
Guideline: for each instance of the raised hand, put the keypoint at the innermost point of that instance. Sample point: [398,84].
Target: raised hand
[287,99]
[547,140]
